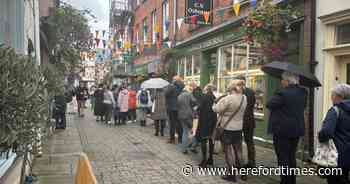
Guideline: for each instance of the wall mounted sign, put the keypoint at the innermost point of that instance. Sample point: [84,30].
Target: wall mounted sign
[201,9]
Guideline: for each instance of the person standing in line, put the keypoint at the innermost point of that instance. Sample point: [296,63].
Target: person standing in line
[59,112]
[286,122]
[123,104]
[81,93]
[186,104]
[198,94]
[206,125]
[336,126]
[231,110]
[144,102]
[109,104]
[132,105]
[249,123]
[159,114]
[116,108]
[99,107]
[172,91]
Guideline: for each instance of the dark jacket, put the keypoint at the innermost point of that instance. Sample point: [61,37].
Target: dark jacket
[82,93]
[337,127]
[197,93]
[99,107]
[248,119]
[171,93]
[60,105]
[287,112]
[207,117]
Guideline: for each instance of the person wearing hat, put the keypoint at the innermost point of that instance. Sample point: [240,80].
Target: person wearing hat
[249,123]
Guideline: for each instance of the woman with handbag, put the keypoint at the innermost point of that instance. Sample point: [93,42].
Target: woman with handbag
[231,111]
[336,128]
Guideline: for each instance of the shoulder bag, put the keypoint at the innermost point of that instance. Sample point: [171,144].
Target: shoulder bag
[219,130]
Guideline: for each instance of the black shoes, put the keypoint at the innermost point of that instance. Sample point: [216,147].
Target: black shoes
[230,178]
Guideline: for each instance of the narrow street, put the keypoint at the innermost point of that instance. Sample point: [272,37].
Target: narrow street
[129,154]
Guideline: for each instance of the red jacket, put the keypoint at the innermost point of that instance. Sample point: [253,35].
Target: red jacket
[132,100]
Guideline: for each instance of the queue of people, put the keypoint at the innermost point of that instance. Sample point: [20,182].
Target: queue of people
[233,113]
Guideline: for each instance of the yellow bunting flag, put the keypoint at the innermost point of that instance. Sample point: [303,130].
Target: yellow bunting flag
[236,7]
[158,29]
[206,16]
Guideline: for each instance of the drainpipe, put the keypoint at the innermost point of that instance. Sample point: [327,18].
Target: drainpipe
[313,64]
[175,22]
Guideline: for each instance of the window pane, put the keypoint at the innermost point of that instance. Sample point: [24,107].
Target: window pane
[343,34]
[189,66]
[239,60]
[182,67]
[197,64]
[226,60]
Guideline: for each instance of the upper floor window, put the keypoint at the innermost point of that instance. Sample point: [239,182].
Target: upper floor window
[154,27]
[343,34]
[145,30]
[166,22]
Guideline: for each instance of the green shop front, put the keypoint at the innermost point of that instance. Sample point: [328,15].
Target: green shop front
[219,55]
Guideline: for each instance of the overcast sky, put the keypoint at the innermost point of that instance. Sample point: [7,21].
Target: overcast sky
[100,8]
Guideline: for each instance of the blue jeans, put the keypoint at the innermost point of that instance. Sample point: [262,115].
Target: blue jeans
[185,134]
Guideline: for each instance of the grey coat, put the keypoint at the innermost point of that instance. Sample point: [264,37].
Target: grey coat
[159,109]
[185,103]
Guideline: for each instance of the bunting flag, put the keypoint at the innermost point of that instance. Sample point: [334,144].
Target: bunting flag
[167,24]
[96,33]
[104,43]
[103,33]
[159,44]
[179,22]
[194,19]
[168,44]
[158,28]
[206,16]
[97,42]
[236,7]
[253,3]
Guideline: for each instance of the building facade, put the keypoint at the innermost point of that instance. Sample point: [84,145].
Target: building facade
[332,50]
[210,47]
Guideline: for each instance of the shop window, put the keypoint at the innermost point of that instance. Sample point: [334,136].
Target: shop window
[343,34]
[196,64]
[226,59]
[181,67]
[189,65]
[240,55]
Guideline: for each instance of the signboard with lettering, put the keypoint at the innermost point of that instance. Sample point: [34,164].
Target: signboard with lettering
[199,12]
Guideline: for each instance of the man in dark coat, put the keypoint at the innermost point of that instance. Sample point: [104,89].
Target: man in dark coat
[99,107]
[286,122]
[59,111]
[171,93]
[249,124]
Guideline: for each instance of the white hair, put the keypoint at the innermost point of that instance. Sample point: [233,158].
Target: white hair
[342,90]
[291,78]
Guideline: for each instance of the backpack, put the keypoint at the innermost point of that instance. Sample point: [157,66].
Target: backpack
[144,97]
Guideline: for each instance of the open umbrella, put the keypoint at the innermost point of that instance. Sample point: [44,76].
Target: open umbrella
[276,69]
[154,83]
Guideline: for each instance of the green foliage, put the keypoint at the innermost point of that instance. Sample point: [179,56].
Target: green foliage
[268,22]
[68,34]
[23,99]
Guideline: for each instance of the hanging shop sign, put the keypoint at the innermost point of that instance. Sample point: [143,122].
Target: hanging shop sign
[201,10]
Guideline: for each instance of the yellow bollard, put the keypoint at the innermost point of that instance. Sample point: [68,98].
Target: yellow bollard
[84,174]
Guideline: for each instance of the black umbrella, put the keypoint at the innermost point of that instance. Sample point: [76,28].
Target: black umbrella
[276,69]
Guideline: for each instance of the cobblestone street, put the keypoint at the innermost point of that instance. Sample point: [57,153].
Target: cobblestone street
[129,154]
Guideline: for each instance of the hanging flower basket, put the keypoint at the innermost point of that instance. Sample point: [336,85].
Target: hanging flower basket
[266,26]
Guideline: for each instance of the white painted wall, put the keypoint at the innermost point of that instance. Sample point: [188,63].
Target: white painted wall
[323,7]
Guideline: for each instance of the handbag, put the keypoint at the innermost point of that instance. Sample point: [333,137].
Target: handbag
[326,154]
[219,130]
